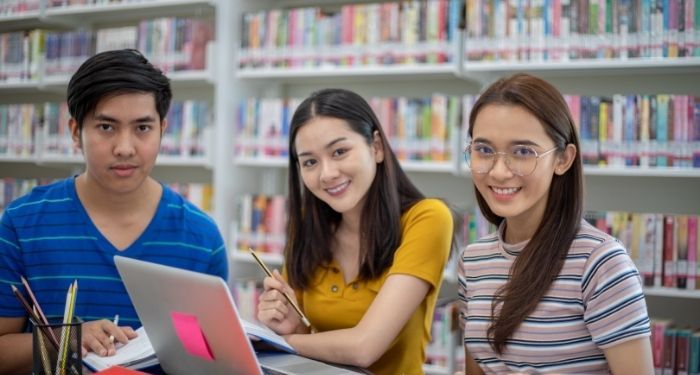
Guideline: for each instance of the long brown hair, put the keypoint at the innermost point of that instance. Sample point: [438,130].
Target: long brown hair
[542,259]
[312,222]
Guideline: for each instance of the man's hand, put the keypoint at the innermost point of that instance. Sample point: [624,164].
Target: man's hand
[96,337]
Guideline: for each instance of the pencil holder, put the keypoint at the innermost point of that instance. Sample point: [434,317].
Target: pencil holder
[56,347]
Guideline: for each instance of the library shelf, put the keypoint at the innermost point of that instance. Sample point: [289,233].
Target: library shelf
[17,159]
[57,84]
[672,292]
[19,87]
[485,72]
[407,165]
[118,12]
[271,260]
[163,160]
[179,80]
[19,21]
[436,370]
[622,171]
[341,73]
[263,162]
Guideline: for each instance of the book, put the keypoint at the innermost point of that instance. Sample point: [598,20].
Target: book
[138,353]
[118,370]
[682,351]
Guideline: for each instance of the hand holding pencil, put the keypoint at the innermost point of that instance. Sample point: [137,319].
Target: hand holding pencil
[278,307]
[101,336]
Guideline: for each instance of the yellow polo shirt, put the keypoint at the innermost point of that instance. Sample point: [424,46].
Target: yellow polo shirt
[330,303]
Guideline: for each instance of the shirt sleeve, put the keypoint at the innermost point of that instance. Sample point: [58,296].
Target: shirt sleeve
[425,243]
[10,268]
[461,291]
[219,258]
[615,309]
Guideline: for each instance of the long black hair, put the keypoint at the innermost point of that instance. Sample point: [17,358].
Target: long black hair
[312,222]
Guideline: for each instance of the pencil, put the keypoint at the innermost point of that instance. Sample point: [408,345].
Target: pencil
[289,299]
[36,319]
[42,350]
[38,311]
[116,323]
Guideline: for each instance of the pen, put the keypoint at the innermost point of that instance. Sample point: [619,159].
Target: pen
[116,323]
[289,299]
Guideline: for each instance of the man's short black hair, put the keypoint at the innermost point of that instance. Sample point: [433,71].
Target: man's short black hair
[113,73]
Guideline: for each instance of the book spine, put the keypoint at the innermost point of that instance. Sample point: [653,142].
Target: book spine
[669,257]
[658,329]
[682,250]
[692,251]
[682,351]
[669,359]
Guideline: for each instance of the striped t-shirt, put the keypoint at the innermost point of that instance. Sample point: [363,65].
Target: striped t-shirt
[594,303]
[47,237]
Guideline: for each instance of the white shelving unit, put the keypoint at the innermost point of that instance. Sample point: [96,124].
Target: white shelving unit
[671,190]
[626,189]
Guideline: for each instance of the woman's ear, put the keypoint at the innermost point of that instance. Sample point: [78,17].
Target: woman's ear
[377,147]
[565,159]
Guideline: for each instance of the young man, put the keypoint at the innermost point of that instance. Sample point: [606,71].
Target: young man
[71,229]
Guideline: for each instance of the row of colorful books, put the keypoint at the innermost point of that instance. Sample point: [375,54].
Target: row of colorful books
[414,31]
[417,128]
[69,3]
[676,350]
[171,44]
[664,247]
[28,130]
[261,223]
[634,130]
[20,7]
[367,34]
[645,130]
[555,30]
[12,188]
[620,130]
[199,194]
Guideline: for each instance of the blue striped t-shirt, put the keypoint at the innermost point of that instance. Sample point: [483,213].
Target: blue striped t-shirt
[47,237]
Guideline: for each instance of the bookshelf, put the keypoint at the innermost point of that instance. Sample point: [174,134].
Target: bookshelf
[42,87]
[636,189]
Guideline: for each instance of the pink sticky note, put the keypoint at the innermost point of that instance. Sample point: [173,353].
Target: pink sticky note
[191,335]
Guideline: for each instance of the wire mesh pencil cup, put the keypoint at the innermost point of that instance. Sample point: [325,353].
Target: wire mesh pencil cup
[56,347]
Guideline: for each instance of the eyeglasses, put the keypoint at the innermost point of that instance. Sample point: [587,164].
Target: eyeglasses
[520,159]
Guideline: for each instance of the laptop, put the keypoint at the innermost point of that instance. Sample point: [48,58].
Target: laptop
[194,326]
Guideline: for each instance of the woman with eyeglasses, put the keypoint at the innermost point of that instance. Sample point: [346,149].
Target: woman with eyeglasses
[547,292]
[365,249]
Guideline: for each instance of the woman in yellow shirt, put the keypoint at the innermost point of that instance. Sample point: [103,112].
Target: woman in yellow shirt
[365,249]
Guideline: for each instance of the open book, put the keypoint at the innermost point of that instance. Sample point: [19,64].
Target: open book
[136,354]
[139,354]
